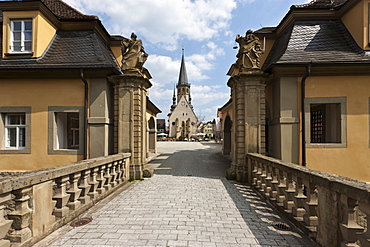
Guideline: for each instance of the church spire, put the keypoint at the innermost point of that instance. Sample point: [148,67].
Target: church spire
[183,77]
[174,95]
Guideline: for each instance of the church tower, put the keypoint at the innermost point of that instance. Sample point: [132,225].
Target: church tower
[182,119]
[183,86]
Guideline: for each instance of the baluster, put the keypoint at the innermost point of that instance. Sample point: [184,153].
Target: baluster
[119,178]
[61,197]
[258,175]
[124,169]
[263,177]
[85,187]
[310,218]
[74,191]
[254,172]
[299,200]
[114,174]
[268,180]
[274,184]
[349,226]
[365,236]
[93,193]
[289,193]
[21,217]
[280,197]
[4,224]
[107,176]
[101,180]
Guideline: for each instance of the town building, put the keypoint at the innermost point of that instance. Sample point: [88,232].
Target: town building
[301,92]
[182,119]
[68,89]
[161,126]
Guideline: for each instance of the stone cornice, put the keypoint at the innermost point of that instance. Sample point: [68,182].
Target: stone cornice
[321,69]
[130,80]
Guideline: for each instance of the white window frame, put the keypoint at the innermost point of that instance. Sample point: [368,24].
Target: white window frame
[18,130]
[22,36]
[343,113]
[53,131]
[4,126]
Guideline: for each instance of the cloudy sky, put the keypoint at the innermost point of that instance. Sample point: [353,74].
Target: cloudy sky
[205,28]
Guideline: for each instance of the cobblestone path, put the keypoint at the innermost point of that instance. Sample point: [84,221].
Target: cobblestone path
[188,202]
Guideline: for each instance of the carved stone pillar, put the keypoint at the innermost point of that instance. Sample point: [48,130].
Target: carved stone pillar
[101,180]
[21,217]
[93,193]
[61,197]
[130,117]
[74,191]
[85,187]
[248,95]
[4,224]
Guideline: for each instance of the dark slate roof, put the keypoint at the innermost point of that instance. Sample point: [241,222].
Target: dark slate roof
[63,11]
[316,41]
[321,4]
[69,50]
[183,77]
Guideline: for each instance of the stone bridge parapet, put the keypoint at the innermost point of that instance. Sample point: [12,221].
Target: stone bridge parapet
[34,204]
[334,210]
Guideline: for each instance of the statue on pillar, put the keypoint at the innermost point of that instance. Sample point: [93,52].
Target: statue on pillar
[250,50]
[133,54]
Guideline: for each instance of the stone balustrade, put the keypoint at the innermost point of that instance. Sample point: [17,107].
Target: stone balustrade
[34,204]
[325,206]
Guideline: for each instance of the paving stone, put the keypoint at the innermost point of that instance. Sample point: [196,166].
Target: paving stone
[188,202]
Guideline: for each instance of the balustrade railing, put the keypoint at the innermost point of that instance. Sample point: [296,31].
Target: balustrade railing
[324,205]
[33,204]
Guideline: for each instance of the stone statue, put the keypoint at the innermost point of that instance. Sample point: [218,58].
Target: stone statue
[133,54]
[249,51]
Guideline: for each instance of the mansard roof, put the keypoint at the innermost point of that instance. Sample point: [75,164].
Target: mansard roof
[70,50]
[319,41]
[321,4]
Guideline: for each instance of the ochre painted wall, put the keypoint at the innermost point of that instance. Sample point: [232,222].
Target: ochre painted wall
[357,22]
[43,30]
[117,52]
[352,161]
[39,94]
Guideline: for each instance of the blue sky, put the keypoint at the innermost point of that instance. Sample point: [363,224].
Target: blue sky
[206,29]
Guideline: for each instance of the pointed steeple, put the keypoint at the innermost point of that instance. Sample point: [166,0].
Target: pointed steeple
[183,77]
[174,95]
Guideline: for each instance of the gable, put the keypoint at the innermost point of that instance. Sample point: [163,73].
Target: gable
[183,110]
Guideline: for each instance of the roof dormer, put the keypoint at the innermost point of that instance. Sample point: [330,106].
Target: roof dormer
[28,28]
[356,19]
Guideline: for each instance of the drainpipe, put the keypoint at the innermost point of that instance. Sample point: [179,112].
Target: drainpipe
[303,97]
[86,98]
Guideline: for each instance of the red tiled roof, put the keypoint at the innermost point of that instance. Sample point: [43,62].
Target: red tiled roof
[64,11]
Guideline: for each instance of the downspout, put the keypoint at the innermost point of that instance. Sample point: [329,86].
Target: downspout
[86,98]
[303,97]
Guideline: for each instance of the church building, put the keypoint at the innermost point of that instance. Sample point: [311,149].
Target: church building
[182,119]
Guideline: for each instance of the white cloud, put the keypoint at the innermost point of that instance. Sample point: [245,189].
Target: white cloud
[162,21]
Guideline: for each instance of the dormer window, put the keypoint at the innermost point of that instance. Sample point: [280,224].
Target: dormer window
[21,36]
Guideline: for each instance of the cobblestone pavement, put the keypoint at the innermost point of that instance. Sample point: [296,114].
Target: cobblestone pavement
[188,202]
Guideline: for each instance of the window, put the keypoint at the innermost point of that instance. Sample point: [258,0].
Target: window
[67,125]
[15,130]
[326,122]
[65,130]
[21,36]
